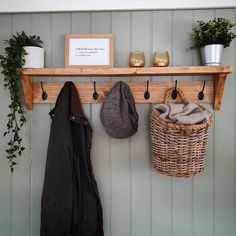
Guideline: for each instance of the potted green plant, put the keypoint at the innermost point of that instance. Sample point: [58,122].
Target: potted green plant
[13,59]
[211,37]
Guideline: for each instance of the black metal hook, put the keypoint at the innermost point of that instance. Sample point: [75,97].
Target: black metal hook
[147,94]
[201,93]
[174,93]
[95,94]
[44,94]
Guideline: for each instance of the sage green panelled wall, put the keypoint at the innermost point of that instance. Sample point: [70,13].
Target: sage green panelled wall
[136,200]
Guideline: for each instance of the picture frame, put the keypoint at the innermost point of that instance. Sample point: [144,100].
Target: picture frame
[89,50]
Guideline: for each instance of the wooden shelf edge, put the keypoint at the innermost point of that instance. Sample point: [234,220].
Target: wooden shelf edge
[144,71]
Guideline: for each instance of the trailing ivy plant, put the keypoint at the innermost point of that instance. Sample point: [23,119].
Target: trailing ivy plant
[216,31]
[10,62]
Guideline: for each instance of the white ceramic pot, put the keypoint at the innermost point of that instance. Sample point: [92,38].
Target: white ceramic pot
[34,57]
[212,54]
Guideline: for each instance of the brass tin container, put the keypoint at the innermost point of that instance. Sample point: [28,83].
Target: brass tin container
[161,58]
[137,59]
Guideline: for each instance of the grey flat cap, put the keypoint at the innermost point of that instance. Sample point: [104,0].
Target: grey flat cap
[118,113]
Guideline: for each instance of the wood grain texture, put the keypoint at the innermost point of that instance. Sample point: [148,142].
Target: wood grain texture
[156,89]
[219,81]
[219,90]
[28,92]
[144,71]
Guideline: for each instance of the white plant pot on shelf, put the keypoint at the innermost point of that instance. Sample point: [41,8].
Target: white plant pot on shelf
[212,54]
[34,57]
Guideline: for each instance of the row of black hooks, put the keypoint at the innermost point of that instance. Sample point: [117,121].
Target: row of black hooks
[146,95]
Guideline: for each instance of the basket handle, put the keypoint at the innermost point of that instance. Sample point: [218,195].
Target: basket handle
[168,92]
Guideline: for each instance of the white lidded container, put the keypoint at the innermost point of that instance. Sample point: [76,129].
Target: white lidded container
[34,57]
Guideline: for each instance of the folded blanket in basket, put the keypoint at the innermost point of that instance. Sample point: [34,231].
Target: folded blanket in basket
[188,114]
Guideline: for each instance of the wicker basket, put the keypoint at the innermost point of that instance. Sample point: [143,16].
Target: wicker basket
[178,150]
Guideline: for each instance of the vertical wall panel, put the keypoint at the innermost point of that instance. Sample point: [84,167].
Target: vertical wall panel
[21,175]
[120,188]
[81,24]
[141,184]
[203,184]
[5,175]
[182,27]
[141,34]
[61,25]
[234,160]
[162,33]
[182,188]
[40,127]
[139,145]
[121,30]
[120,206]
[199,15]
[162,185]
[203,194]
[224,151]
[101,23]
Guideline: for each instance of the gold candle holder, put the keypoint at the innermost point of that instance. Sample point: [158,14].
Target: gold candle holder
[161,58]
[137,59]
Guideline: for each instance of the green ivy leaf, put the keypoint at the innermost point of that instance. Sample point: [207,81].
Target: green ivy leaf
[13,59]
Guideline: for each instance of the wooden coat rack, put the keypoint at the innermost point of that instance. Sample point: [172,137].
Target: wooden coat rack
[213,89]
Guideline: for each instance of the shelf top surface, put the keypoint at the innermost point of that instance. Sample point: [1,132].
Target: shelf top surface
[128,71]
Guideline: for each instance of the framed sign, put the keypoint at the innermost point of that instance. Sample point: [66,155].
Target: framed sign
[89,50]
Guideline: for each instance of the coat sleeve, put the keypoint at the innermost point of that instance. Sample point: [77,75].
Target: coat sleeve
[57,198]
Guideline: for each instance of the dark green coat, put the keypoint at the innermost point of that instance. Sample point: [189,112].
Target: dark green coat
[70,200]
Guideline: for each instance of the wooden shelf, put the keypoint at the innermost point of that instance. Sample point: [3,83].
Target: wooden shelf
[213,90]
[144,71]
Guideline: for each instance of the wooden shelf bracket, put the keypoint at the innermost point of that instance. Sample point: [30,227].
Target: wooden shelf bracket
[27,85]
[219,90]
